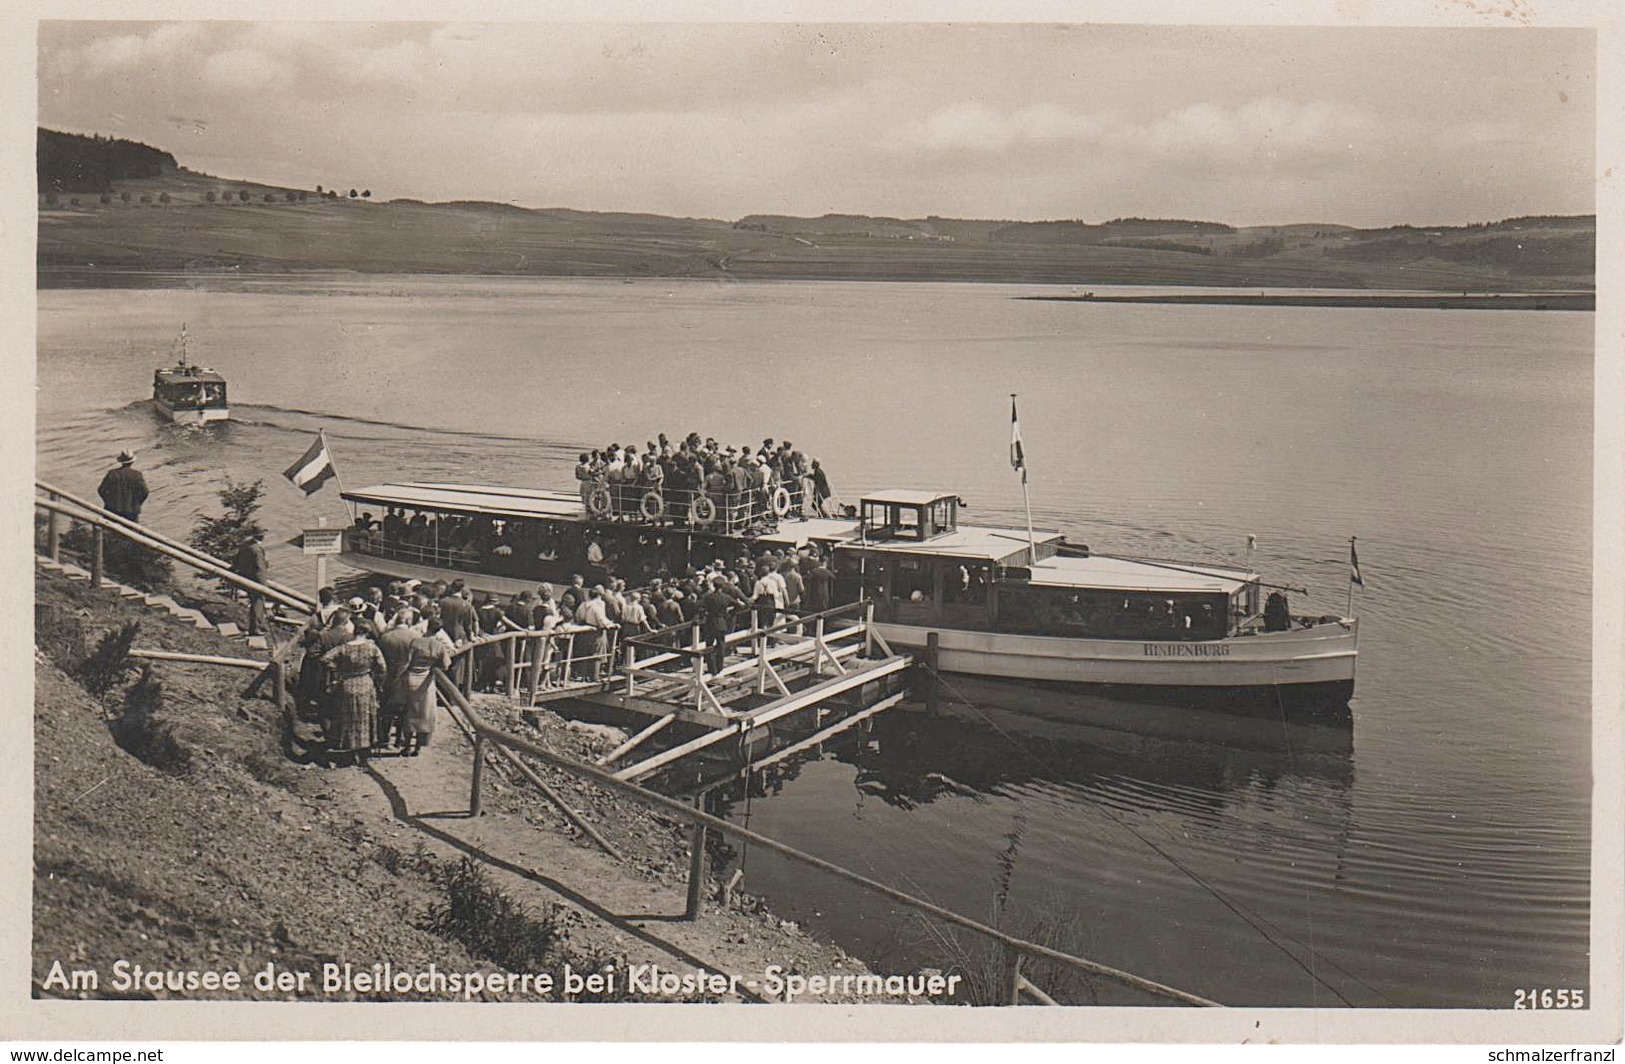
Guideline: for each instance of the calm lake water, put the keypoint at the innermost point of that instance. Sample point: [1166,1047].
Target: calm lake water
[1435,852]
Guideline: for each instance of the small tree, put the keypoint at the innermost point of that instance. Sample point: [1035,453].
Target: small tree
[291,196]
[366,194]
[125,195]
[163,197]
[209,196]
[242,195]
[302,196]
[106,199]
[225,535]
[270,197]
[353,193]
[318,190]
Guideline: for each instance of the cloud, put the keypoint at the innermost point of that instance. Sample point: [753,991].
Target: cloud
[243,70]
[975,126]
[1292,132]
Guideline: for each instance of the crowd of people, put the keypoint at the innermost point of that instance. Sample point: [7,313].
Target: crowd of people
[368,669]
[739,483]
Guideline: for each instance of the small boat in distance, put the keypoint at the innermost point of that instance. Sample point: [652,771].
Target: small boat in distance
[189,394]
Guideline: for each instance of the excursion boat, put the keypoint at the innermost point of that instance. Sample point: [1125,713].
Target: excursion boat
[1003,602]
[189,394]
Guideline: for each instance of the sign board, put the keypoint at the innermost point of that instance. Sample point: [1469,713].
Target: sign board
[322,541]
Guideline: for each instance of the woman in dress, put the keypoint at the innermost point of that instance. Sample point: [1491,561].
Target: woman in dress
[357,666]
[318,637]
[419,696]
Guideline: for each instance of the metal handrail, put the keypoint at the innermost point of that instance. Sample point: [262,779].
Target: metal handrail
[1015,948]
[196,560]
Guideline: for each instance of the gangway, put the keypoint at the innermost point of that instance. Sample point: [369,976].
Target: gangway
[830,670]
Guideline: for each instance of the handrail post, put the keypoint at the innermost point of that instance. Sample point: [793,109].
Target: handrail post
[868,628]
[479,772]
[1010,983]
[696,864]
[97,561]
[631,663]
[53,531]
[818,646]
[933,648]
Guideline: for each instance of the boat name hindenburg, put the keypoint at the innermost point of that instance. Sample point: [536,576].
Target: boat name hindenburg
[1187,650]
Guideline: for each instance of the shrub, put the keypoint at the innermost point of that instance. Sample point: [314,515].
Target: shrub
[491,924]
[223,536]
[142,731]
[106,666]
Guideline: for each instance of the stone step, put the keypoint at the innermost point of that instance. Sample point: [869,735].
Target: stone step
[258,642]
[163,601]
[131,592]
[228,629]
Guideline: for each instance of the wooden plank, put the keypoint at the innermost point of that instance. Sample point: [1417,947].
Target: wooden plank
[636,740]
[198,659]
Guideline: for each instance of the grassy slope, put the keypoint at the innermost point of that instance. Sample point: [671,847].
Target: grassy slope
[409,237]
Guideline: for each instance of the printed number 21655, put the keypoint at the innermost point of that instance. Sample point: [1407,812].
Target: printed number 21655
[1547,998]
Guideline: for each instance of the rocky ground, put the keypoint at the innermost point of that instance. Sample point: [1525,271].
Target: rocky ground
[187,826]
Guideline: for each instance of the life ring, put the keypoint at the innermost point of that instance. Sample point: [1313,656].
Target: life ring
[702,511]
[652,506]
[781,501]
[598,502]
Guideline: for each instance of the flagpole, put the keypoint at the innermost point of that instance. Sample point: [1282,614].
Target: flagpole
[322,433]
[1348,609]
[1032,545]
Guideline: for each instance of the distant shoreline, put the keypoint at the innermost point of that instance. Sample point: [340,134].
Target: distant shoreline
[1432,301]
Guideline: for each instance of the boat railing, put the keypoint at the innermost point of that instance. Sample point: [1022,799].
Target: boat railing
[729,512]
[372,541]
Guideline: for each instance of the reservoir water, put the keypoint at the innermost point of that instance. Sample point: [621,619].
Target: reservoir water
[1434,852]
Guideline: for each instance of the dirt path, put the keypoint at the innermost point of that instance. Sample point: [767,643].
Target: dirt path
[637,908]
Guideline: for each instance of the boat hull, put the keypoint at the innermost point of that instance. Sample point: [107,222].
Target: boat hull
[1310,665]
[192,415]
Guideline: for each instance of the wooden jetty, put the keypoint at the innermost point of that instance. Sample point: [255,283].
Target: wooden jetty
[815,676]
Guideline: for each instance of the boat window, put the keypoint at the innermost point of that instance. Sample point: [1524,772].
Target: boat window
[942,515]
[914,581]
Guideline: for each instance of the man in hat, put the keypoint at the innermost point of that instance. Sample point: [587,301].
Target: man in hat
[250,563]
[124,489]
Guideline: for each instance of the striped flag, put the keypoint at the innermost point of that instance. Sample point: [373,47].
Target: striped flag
[314,468]
[1354,566]
[1018,459]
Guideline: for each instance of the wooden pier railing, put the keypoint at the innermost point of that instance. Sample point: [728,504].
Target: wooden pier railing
[1015,985]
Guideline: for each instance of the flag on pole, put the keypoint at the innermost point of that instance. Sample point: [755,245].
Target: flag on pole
[1018,460]
[1354,566]
[314,468]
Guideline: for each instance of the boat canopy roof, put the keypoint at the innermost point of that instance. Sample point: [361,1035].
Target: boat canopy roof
[189,375]
[907,497]
[472,499]
[1122,574]
[1004,546]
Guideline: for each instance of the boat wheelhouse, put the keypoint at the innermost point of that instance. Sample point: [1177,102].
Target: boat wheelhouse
[1002,602]
[187,393]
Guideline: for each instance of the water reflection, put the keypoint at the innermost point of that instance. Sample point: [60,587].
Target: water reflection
[1070,829]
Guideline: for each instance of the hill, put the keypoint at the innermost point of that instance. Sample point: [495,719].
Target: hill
[151,217]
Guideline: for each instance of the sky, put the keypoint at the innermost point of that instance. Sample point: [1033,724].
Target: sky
[1245,125]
